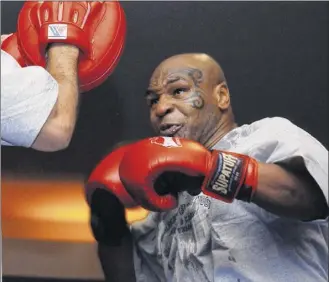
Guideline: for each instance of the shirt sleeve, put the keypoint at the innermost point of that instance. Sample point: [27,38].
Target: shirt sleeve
[28,95]
[279,140]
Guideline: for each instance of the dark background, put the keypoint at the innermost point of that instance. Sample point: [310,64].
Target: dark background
[274,54]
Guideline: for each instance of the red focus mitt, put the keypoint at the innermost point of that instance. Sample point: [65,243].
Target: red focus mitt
[97,28]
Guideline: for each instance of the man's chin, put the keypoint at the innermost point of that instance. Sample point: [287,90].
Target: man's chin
[185,134]
[181,134]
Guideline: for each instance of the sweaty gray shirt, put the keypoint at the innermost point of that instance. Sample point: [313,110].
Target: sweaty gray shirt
[205,239]
[27,97]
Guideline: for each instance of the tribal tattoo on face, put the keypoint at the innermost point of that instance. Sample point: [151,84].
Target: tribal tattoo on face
[195,98]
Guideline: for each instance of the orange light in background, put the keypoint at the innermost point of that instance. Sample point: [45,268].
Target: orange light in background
[49,210]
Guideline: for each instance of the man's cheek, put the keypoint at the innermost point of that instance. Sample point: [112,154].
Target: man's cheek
[152,121]
[195,100]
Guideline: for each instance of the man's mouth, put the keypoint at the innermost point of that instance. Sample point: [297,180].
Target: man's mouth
[170,129]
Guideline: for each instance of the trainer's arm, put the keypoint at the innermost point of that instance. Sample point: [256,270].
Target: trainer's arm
[289,190]
[57,131]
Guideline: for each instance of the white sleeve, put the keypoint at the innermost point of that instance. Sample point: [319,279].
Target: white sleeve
[28,95]
[282,140]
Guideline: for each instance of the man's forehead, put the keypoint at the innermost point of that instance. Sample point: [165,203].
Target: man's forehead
[174,64]
[162,79]
[164,75]
[169,73]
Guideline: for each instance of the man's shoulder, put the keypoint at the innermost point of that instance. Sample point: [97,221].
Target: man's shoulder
[273,123]
[272,126]
[261,130]
[265,130]
[279,128]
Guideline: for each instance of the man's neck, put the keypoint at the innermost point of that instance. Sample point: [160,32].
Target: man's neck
[219,133]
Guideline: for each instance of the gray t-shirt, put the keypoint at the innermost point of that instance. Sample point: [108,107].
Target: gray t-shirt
[27,97]
[205,239]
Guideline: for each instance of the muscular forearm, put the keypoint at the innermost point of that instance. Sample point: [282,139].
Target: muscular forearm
[57,132]
[117,261]
[289,192]
[62,65]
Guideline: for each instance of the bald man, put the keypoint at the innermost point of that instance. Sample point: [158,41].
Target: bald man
[278,235]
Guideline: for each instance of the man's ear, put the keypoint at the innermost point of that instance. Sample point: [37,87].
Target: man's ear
[222,95]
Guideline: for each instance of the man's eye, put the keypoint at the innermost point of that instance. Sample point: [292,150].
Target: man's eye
[152,102]
[179,91]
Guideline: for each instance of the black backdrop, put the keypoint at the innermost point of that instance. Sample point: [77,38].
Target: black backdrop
[275,56]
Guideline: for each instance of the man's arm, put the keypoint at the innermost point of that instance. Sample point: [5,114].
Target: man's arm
[288,189]
[117,261]
[289,179]
[113,237]
[39,106]
[57,131]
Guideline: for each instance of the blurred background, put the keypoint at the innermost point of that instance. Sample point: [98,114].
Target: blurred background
[275,57]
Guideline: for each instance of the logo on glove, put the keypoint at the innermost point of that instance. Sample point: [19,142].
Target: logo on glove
[227,178]
[57,31]
[169,142]
[226,173]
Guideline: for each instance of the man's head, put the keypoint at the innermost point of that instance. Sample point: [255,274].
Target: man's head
[188,97]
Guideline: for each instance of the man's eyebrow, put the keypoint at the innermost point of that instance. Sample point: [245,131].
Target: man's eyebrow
[169,81]
[149,92]
[174,79]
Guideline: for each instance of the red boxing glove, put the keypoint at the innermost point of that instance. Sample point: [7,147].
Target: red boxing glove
[106,176]
[97,28]
[155,169]
[10,45]
[107,199]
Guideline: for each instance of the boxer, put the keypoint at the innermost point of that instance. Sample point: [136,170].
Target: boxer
[228,202]
[60,49]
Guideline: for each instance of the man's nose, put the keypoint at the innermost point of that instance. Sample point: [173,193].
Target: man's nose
[164,106]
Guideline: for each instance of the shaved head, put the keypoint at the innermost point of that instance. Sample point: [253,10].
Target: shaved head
[211,69]
[188,97]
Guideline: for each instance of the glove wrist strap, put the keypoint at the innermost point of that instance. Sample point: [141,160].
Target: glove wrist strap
[73,35]
[231,176]
[248,189]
